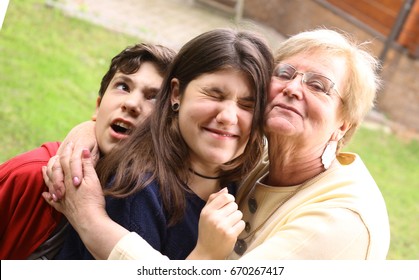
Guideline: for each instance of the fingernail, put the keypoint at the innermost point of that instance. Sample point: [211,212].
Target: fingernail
[54,197]
[223,190]
[76,181]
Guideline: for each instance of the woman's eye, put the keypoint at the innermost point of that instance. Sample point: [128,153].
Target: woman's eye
[316,85]
[283,75]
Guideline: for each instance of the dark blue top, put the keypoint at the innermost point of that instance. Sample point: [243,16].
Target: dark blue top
[143,213]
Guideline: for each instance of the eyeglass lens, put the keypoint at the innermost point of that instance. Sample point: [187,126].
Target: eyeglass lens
[314,82]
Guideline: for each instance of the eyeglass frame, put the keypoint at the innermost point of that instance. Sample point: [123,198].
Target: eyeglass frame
[303,80]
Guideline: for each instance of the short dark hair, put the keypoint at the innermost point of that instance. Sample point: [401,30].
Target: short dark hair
[130,59]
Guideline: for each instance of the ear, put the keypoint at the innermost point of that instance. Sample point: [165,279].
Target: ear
[94,116]
[175,94]
[341,131]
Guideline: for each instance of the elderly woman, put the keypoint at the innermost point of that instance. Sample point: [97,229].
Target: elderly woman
[306,199]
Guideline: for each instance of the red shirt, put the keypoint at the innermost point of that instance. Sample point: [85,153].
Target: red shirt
[26,220]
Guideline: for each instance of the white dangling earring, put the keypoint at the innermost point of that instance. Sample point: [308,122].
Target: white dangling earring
[329,154]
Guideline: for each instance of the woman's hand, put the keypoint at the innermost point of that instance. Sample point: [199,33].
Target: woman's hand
[84,206]
[83,136]
[88,196]
[219,225]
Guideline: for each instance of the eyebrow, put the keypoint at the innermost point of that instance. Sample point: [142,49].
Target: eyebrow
[296,69]
[249,98]
[126,78]
[220,90]
[152,90]
[214,88]
[123,77]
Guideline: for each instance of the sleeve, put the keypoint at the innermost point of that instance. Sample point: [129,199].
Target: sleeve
[26,220]
[134,247]
[329,233]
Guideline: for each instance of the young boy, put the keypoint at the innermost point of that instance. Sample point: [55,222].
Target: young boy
[29,227]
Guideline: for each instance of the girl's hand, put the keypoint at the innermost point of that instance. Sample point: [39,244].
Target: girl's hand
[219,226]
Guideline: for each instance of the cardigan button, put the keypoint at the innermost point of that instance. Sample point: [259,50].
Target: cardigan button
[247,227]
[253,205]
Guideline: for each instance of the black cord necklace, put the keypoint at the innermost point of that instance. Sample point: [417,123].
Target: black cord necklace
[203,176]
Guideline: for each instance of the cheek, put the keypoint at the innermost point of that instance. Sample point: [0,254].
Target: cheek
[147,108]
[108,105]
[274,90]
[320,116]
[101,116]
[246,119]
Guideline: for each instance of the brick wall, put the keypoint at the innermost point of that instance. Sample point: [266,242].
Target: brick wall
[398,100]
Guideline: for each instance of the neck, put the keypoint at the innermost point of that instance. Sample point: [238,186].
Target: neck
[204,176]
[288,167]
[203,187]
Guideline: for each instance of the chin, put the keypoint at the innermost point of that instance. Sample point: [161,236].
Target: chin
[280,126]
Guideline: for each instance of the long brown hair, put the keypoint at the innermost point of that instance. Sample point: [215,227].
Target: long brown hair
[156,150]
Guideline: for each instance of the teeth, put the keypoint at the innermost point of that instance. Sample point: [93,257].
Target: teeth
[122,124]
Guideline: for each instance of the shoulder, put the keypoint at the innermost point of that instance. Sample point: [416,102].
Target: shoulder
[141,203]
[150,194]
[39,155]
[29,162]
[260,170]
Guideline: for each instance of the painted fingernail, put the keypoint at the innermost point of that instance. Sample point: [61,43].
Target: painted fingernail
[54,197]
[76,181]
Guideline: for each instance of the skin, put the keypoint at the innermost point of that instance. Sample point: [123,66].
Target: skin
[299,123]
[215,117]
[127,101]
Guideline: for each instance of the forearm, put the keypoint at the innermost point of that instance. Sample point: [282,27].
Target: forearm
[100,234]
[84,133]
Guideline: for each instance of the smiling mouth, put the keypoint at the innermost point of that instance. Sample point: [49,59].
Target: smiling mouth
[121,128]
[289,109]
[221,133]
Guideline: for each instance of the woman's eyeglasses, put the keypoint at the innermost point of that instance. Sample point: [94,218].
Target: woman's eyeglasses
[314,82]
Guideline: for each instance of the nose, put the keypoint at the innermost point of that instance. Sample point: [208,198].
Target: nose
[294,87]
[132,104]
[228,113]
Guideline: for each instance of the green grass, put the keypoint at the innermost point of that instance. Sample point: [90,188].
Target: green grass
[50,70]
[394,163]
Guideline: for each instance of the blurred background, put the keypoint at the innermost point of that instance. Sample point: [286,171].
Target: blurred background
[53,55]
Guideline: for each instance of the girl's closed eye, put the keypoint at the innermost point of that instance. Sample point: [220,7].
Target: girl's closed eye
[212,92]
[247,103]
